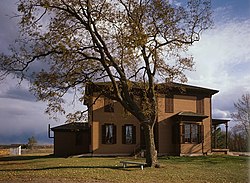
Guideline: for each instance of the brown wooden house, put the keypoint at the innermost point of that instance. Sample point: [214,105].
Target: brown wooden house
[183,128]
[71,139]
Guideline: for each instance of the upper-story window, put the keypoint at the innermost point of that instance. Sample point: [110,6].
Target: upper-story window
[128,134]
[169,104]
[108,134]
[108,105]
[200,105]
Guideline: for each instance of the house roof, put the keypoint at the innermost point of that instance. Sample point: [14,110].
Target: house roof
[71,127]
[192,114]
[162,88]
[220,121]
[189,116]
[184,88]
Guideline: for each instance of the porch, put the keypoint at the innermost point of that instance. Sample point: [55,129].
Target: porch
[220,138]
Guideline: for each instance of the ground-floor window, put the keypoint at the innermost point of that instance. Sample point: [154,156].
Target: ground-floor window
[191,133]
[128,134]
[108,134]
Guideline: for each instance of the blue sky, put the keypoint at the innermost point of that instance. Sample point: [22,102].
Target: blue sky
[222,62]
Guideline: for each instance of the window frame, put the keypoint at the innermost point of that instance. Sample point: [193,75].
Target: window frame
[105,131]
[124,134]
[191,133]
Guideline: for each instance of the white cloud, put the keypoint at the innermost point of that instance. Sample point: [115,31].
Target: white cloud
[222,59]
[221,113]
[221,51]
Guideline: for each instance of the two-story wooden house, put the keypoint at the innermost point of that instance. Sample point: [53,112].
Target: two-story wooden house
[183,128]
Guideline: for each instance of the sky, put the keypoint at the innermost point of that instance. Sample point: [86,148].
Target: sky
[222,62]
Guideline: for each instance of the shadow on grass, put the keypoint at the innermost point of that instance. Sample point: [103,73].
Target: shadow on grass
[14,159]
[72,167]
[22,158]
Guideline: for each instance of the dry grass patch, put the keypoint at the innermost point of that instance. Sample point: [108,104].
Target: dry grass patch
[4,152]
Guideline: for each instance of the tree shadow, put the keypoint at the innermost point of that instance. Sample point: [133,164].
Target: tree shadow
[23,158]
[13,159]
[130,168]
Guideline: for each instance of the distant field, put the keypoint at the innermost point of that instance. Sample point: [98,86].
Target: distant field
[48,149]
[4,152]
[46,168]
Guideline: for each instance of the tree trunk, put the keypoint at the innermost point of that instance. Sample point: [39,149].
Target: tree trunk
[151,153]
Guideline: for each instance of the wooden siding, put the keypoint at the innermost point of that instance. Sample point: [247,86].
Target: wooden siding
[119,118]
[166,143]
[65,143]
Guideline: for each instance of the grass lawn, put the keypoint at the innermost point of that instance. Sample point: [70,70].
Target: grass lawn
[45,168]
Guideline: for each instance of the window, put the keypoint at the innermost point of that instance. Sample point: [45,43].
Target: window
[108,134]
[108,105]
[200,105]
[191,133]
[128,134]
[79,138]
[169,104]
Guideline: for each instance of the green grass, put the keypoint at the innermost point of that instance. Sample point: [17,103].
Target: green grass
[41,168]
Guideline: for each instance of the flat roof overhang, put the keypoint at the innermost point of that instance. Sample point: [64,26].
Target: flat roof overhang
[190,116]
[220,121]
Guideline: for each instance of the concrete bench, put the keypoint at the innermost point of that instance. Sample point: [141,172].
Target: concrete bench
[141,164]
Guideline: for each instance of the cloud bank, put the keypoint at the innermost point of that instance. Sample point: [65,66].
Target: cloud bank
[222,59]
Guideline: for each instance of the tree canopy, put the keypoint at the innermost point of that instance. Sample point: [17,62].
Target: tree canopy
[84,41]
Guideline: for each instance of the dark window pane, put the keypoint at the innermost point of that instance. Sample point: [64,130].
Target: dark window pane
[129,134]
[192,133]
[187,133]
[108,134]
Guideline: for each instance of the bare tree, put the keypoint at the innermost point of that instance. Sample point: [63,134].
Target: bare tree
[120,41]
[242,114]
[238,140]
[31,142]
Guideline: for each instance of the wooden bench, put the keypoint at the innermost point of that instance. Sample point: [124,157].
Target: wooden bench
[220,151]
[141,164]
